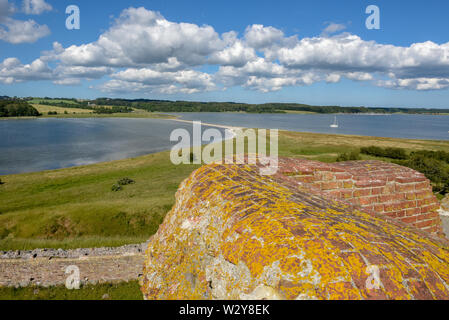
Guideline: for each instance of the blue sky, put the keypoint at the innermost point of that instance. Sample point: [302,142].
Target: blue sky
[245,51]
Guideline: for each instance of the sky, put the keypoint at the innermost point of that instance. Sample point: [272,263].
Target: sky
[316,52]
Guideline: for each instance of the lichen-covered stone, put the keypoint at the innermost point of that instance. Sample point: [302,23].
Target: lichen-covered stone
[234,234]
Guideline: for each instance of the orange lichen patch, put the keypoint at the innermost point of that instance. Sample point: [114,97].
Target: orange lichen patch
[234,234]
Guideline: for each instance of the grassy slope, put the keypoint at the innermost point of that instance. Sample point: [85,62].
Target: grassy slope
[75,207]
[44,109]
[84,113]
[121,291]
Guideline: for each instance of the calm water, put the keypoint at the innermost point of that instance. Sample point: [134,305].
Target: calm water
[393,126]
[44,144]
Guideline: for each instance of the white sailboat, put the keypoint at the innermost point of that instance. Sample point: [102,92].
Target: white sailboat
[335,124]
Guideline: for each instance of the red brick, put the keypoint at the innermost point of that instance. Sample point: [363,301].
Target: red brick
[426,223]
[409,219]
[424,202]
[346,194]
[388,189]
[410,179]
[423,194]
[335,193]
[343,176]
[368,200]
[408,204]
[400,214]
[364,183]
[427,216]
[412,212]
[329,185]
[422,185]
[327,176]
[384,199]
[405,187]
[410,196]
[379,208]
[362,192]
[398,196]
[348,184]
[306,179]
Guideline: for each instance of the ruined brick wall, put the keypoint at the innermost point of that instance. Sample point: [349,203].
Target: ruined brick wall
[234,234]
[392,190]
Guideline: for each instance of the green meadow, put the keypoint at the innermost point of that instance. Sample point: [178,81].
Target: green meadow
[107,291]
[76,207]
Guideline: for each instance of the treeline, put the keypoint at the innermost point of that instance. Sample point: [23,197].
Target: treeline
[111,110]
[63,104]
[433,164]
[189,106]
[17,108]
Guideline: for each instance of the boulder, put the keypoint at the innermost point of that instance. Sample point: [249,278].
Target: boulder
[234,234]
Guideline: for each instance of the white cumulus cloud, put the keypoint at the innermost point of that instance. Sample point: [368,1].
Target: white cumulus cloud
[36,6]
[21,31]
[144,52]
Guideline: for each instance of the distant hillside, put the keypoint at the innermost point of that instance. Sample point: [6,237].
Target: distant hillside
[17,108]
[188,106]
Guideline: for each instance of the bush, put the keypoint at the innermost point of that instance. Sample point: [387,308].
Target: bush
[116,187]
[391,153]
[439,155]
[1,182]
[352,156]
[125,182]
[17,108]
[52,113]
[435,170]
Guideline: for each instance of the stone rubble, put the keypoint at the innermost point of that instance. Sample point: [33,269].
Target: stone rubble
[75,253]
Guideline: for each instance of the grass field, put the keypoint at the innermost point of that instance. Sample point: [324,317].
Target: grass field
[43,101]
[44,109]
[121,291]
[75,207]
[85,113]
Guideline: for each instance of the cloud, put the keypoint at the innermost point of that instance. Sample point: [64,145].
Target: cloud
[140,37]
[35,6]
[21,31]
[333,28]
[12,71]
[18,31]
[148,80]
[259,37]
[420,84]
[6,9]
[238,54]
[144,52]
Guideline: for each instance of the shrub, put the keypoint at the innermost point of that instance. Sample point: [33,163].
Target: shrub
[392,153]
[116,187]
[439,155]
[435,170]
[352,156]
[125,182]
[52,113]
[1,182]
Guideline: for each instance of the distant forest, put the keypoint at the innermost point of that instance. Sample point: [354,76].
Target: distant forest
[17,108]
[103,105]
[186,106]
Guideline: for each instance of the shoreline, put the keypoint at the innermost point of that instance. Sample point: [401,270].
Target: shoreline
[231,130]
